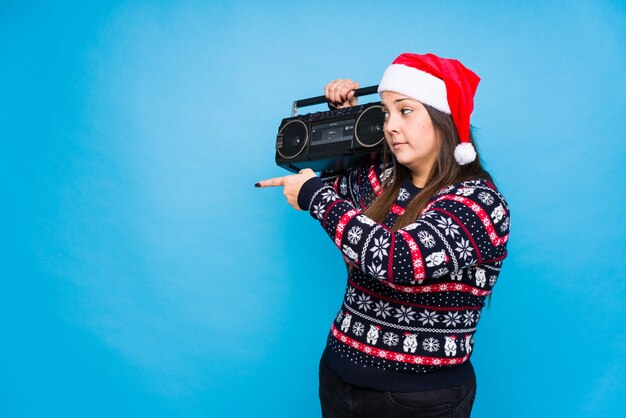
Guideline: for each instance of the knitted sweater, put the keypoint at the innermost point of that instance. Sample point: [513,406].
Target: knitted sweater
[414,297]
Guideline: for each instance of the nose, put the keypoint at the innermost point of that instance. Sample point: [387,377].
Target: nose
[391,123]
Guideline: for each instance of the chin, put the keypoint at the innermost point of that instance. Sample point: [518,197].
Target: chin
[404,160]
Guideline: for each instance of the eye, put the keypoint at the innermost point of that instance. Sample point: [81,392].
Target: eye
[385,115]
[406,111]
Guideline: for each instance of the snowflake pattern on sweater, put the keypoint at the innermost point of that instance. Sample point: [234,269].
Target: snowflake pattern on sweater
[421,288]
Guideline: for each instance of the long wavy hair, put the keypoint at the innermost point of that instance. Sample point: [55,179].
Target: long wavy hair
[445,171]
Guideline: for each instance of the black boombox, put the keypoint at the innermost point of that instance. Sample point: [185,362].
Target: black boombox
[331,140]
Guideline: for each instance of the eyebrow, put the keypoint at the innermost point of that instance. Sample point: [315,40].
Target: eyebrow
[399,100]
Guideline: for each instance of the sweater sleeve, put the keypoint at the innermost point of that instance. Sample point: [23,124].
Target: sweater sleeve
[461,227]
[359,185]
[344,183]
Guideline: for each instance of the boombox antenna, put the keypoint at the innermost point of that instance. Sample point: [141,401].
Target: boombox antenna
[322,99]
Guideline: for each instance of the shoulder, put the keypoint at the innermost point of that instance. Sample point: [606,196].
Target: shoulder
[480,191]
[475,205]
[479,196]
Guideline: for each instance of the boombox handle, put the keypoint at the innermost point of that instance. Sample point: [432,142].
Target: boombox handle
[322,99]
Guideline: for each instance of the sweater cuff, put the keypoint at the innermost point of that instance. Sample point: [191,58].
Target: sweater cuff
[307,191]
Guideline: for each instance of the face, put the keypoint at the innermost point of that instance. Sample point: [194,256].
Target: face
[409,132]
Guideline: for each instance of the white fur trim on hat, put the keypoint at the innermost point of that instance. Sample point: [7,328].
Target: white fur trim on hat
[464,153]
[417,84]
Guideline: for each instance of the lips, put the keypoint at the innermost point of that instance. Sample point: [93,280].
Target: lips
[398,144]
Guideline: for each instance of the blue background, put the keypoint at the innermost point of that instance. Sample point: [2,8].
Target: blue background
[142,274]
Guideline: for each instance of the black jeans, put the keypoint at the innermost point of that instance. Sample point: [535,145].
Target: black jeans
[340,399]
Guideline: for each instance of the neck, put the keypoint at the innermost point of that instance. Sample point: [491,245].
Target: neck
[419,178]
[418,181]
[419,175]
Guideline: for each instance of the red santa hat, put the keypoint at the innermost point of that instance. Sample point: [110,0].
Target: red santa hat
[442,83]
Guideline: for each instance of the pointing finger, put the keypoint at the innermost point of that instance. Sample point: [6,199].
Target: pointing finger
[276,181]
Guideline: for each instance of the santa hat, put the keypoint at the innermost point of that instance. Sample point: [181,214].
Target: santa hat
[442,83]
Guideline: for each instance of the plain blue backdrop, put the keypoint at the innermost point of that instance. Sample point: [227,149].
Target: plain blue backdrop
[142,274]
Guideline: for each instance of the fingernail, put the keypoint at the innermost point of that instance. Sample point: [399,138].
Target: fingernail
[257,184]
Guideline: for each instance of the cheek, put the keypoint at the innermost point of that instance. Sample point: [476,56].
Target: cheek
[432,141]
[431,146]
[430,138]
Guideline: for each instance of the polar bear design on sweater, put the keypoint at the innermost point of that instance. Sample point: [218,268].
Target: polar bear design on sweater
[497,214]
[450,345]
[410,342]
[372,334]
[481,278]
[345,324]
[437,258]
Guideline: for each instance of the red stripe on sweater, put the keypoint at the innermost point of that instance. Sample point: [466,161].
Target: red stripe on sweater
[398,210]
[342,225]
[395,356]
[390,258]
[447,286]
[418,262]
[443,287]
[371,174]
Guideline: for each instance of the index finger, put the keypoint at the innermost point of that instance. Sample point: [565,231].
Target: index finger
[276,181]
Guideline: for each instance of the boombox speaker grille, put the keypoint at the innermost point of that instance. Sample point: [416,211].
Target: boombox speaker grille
[292,139]
[369,127]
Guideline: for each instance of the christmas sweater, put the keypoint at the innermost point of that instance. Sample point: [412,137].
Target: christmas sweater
[414,296]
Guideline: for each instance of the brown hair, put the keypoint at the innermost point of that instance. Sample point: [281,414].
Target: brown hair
[445,171]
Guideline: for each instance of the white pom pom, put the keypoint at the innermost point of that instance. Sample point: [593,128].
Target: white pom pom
[464,153]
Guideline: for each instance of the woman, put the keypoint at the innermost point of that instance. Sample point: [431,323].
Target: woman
[424,235]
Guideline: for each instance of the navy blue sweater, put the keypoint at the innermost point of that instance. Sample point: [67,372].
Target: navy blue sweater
[414,297]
